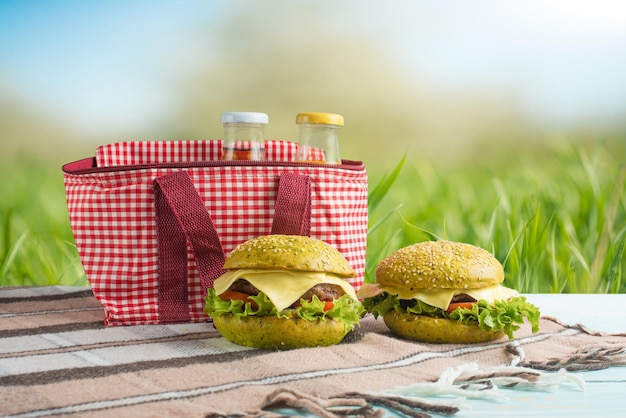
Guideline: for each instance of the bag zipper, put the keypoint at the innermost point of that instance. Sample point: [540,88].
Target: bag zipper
[88,165]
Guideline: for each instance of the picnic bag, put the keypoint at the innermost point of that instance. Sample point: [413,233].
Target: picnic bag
[154,220]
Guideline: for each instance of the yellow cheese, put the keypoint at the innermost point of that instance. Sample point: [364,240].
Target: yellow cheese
[282,287]
[441,298]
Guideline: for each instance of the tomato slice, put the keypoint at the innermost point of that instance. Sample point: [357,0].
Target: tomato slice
[232,295]
[462,305]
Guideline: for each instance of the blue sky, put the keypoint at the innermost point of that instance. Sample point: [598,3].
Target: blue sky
[78,59]
[97,63]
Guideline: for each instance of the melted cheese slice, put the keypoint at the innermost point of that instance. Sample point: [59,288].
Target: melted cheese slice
[282,287]
[441,298]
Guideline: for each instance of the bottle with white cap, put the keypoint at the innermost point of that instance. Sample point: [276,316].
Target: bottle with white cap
[318,137]
[244,135]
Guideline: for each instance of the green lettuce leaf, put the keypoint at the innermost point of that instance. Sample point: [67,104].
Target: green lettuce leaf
[502,315]
[345,309]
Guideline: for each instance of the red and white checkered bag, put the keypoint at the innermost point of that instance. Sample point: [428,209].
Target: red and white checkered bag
[153,220]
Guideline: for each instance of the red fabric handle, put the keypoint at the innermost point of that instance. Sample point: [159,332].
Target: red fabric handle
[292,210]
[182,217]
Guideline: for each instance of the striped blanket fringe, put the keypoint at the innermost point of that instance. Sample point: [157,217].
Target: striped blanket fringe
[351,404]
[456,384]
[584,359]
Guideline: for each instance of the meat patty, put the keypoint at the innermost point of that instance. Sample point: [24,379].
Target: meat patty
[244,286]
[324,291]
[462,297]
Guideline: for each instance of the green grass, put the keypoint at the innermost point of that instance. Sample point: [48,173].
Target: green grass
[36,242]
[555,216]
[555,219]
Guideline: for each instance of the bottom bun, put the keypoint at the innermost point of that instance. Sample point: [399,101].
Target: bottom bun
[271,332]
[436,330]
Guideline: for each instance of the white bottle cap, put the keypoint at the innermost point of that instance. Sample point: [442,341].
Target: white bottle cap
[244,117]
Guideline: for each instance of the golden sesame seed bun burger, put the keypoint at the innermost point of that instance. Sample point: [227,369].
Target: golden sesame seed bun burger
[284,292]
[446,292]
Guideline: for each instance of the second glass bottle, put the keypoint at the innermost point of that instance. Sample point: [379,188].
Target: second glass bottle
[318,137]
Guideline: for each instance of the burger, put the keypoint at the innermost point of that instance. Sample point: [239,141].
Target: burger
[446,292]
[284,292]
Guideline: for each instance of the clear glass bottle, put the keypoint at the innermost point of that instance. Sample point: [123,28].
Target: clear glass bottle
[244,135]
[318,137]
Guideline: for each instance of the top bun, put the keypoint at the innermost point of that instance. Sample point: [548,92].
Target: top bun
[288,252]
[440,265]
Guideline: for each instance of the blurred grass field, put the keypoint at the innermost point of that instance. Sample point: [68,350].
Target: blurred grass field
[554,215]
[507,145]
[36,246]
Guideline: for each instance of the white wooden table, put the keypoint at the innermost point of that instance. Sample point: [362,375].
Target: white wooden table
[608,313]
[605,390]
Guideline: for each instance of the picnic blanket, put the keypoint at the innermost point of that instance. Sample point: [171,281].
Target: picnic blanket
[57,359]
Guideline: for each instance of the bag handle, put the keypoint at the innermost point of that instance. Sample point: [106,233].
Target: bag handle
[292,210]
[182,217]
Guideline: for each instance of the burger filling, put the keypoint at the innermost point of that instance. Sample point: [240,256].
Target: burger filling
[248,295]
[324,291]
[491,314]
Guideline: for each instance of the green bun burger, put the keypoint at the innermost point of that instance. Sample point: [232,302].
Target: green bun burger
[446,292]
[284,292]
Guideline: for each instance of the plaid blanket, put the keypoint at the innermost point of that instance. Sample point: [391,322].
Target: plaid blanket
[57,359]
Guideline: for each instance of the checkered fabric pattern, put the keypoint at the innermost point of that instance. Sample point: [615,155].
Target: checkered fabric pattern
[155,152]
[112,214]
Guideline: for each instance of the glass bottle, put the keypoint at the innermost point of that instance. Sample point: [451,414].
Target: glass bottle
[318,137]
[244,135]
